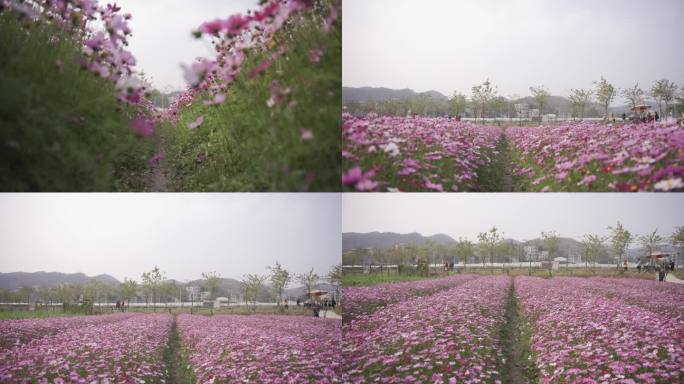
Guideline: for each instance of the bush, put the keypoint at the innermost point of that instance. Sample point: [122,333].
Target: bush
[247,143]
[61,128]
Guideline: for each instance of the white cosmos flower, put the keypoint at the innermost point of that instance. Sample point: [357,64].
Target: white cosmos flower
[391,148]
[669,184]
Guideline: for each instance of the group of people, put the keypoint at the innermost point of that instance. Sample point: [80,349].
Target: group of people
[121,305]
[316,306]
[661,268]
[647,118]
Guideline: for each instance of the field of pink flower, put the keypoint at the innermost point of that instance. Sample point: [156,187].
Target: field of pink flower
[581,335]
[17,332]
[274,349]
[599,157]
[359,301]
[448,337]
[109,348]
[383,153]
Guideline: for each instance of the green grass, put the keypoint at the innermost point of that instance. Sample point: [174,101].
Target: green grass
[12,315]
[243,145]
[60,129]
[360,279]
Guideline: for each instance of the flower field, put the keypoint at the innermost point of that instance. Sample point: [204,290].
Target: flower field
[261,114]
[581,330]
[108,348]
[274,349]
[382,153]
[599,157]
[581,335]
[450,336]
[364,300]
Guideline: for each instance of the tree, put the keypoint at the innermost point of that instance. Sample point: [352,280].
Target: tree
[129,288]
[488,243]
[483,94]
[650,241]
[211,281]
[152,281]
[677,239]
[620,238]
[335,278]
[308,280]
[464,249]
[635,95]
[594,246]
[579,99]
[251,285]
[605,93]
[551,241]
[280,278]
[664,91]
[540,95]
[458,103]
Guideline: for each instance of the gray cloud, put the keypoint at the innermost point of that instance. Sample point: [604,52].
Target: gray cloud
[185,234]
[451,45]
[162,37]
[519,215]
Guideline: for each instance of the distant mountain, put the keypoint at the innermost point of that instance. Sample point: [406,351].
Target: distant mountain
[382,94]
[352,240]
[15,280]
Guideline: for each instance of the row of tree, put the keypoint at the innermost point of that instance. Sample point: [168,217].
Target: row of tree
[486,102]
[153,287]
[491,247]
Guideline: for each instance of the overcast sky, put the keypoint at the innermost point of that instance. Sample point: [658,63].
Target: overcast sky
[185,234]
[162,37]
[449,45]
[521,216]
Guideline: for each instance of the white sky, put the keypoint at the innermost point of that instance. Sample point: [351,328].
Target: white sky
[522,216]
[449,45]
[162,37]
[185,234]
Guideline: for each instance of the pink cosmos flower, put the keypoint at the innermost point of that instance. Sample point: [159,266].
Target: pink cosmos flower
[235,24]
[142,127]
[96,42]
[195,124]
[306,134]
[211,27]
[587,180]
[430,185]
[360,180]
[315,55]
[155,159]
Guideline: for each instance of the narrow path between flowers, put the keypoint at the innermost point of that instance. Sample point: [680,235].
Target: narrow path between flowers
[505,156]
[161,174]
[177,368]
[517,366]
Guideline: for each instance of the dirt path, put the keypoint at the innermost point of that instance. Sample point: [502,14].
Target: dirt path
[670,278]
[176,364]
[516,367]
[507,184]
[161,172]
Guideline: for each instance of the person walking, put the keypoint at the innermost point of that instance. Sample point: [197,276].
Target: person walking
[661,274]
[625,265]
[656,117]
[285,302]
[298,301]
